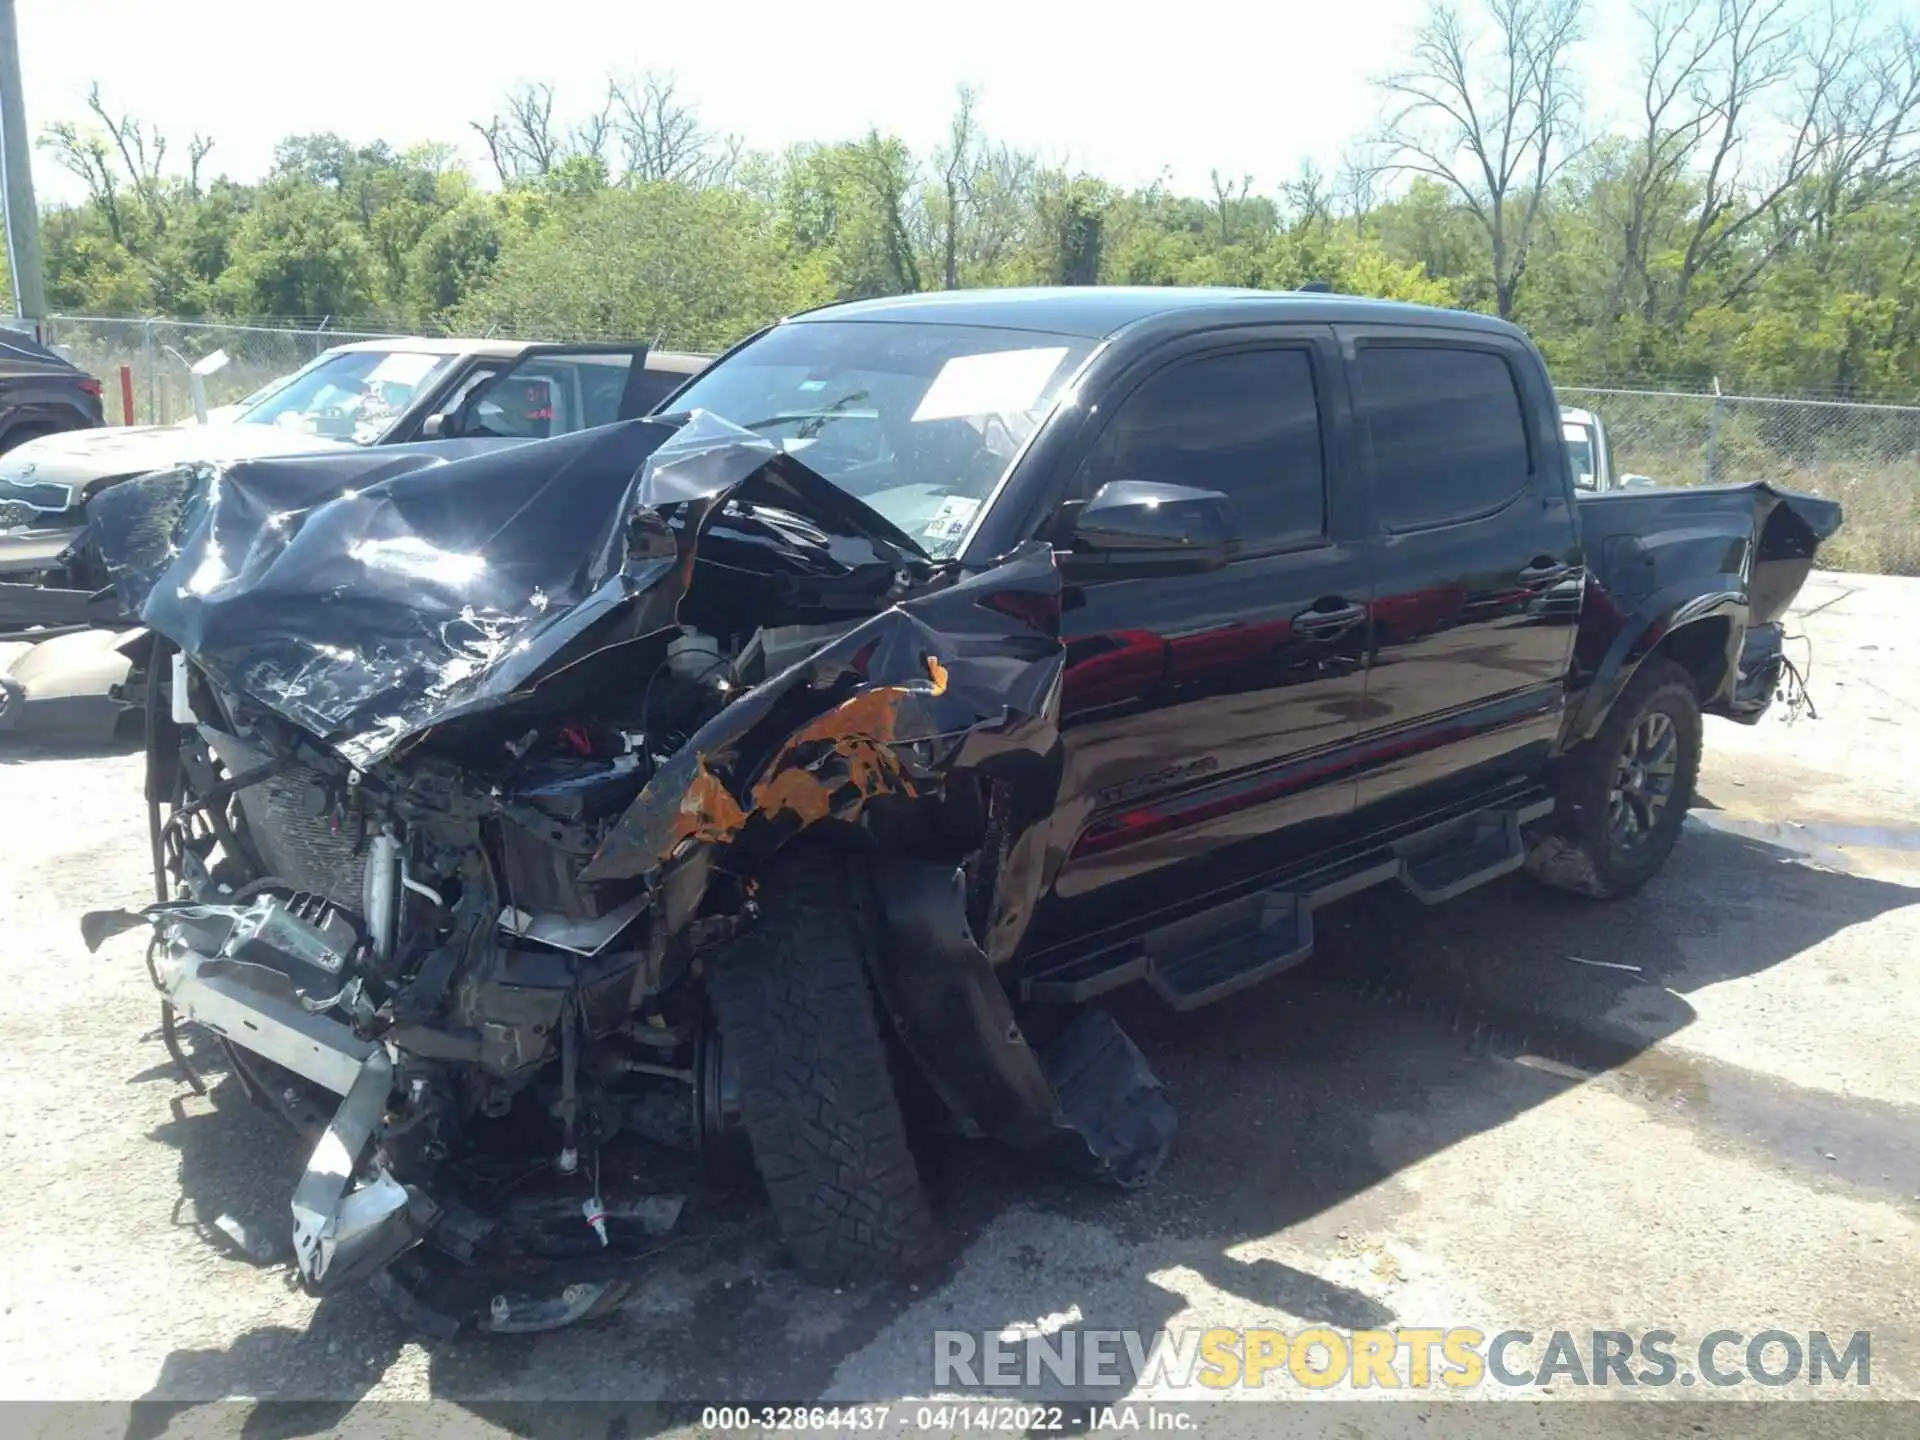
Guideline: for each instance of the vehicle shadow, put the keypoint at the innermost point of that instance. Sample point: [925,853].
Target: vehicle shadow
[1393,1043]
[22,750]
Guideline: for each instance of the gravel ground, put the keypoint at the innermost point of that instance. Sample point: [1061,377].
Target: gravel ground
[1446,1118]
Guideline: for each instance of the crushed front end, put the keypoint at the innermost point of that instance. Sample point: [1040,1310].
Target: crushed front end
[462,771]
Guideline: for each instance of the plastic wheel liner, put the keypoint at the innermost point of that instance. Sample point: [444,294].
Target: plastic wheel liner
[418,641]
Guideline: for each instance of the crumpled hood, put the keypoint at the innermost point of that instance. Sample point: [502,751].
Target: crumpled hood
[77,457]
[366,595]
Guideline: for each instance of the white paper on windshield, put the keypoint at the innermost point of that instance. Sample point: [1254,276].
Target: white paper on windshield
[1000,382]
[402,367]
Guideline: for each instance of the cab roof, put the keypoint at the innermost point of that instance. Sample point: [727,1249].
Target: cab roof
[681,362]
[1099,311]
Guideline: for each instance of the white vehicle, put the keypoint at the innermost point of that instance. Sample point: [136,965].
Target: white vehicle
[1592,454]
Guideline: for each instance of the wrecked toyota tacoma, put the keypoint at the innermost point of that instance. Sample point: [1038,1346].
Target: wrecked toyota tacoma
[784,774]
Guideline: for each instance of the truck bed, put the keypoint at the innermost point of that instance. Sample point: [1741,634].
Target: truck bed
[1640,543]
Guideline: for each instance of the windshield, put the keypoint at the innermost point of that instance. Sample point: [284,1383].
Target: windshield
[349,395]
[919,421]
[1580,451]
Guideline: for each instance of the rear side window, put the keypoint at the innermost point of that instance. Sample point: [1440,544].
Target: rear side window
[1446,432]
[1246,424]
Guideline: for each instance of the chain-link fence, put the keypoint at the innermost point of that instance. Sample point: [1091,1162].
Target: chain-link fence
[158,355]
[1865,456]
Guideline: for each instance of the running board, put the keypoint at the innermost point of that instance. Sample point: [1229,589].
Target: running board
[1209,955]
[1465,856]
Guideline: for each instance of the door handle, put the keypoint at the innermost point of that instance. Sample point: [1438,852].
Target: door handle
[1318,623]
[1543,573]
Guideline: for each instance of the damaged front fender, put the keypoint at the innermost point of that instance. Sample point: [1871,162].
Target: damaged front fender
[965,678]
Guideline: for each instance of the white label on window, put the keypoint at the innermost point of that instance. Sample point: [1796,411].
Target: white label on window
[950,521]
[1000,382]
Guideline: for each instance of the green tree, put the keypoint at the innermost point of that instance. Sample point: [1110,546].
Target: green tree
[661,262]
[299,252]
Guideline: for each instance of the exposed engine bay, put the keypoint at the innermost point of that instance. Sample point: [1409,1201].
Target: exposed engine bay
[460,772]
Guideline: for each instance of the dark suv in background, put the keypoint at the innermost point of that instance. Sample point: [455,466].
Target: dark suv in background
[41,394]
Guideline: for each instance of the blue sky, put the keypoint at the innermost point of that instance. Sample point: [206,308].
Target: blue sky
[1245,87]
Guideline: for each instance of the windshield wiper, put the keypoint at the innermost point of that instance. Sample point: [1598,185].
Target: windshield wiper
[810,421]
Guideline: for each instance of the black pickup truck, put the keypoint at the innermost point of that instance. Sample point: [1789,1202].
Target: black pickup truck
[930,667]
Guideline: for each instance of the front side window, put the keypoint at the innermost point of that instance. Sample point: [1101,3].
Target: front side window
[919,420]
[548,394]
[1246,424]
[354,395]
[1446,433]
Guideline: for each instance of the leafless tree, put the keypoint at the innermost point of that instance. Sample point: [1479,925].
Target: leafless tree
[1308,196]
[958,162]
[198,148]
[978,201]
[524,141]
[141,154]
[1496,129]
[521,140]
[1227,199]
[1680,41]
[1866,133]
[1760,120]
[1356,187]
[86,156]
[1755,51]
[661,137]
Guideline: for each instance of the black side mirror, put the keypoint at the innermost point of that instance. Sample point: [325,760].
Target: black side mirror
[438,427]
[1141,527]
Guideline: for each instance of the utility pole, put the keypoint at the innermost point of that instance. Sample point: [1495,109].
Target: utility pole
[16,180]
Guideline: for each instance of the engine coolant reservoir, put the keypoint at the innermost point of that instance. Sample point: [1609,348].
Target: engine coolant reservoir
[694,654]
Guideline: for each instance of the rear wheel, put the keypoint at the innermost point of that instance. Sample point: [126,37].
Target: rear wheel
[793,1002]
[1623,795]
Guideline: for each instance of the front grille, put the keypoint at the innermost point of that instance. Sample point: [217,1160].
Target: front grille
[44,496]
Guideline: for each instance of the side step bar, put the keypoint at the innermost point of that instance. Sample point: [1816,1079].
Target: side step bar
[1207,956]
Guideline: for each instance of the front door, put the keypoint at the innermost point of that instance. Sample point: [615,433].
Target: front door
[1203,713]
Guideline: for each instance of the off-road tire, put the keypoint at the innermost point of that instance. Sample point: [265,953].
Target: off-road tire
[793,1000]
[1577,848]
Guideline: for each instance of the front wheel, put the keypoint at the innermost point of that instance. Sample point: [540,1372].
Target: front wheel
[1623,795]
[793,1002]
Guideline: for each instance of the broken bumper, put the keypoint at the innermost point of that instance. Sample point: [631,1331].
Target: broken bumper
[1763,664]
[27,551]
[341,1229]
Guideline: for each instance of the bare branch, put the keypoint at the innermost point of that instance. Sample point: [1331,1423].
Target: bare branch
[661,137]
[86,157]
[198,148]
[1495,130]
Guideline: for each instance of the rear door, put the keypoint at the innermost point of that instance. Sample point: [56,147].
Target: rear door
[1476,560]
[1206,717]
